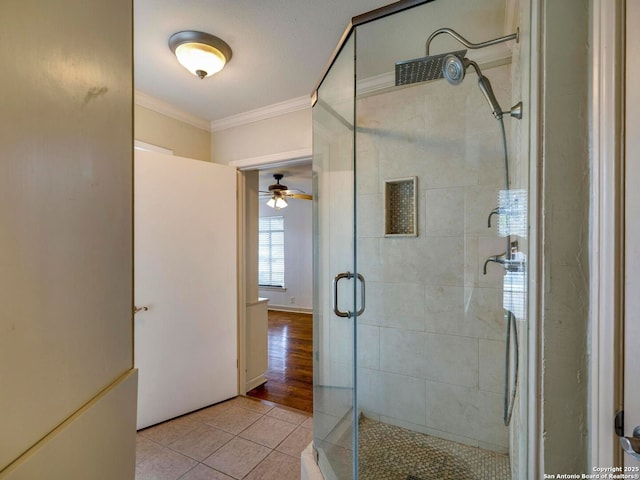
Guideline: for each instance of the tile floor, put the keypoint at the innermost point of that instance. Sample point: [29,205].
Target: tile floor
[241,438]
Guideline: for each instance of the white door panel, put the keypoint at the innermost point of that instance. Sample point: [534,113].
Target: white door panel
[185,274]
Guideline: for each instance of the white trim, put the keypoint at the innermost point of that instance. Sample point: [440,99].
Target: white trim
[287,308]
[274,160]
[271,288]
[255,382]
[164,108]
[603,235]
[242,284]
[531,18]
[149,147]
[376,83]
[288,106]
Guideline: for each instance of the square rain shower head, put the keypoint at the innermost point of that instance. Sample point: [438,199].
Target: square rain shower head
[422,69]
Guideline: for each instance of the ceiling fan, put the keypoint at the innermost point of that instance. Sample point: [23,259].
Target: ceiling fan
[279,193]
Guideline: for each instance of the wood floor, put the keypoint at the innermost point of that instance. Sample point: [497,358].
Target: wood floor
[290,372]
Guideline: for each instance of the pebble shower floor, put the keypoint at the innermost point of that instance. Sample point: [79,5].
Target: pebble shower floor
[393,453]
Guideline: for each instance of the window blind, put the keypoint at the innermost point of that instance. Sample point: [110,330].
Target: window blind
[271,252]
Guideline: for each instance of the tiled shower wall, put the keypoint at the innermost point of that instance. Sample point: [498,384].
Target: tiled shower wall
[431,341]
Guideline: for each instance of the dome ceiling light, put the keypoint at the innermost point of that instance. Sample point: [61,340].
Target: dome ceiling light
[201,53]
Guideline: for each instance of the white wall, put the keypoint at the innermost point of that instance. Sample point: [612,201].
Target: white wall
[68,394]
[298,255]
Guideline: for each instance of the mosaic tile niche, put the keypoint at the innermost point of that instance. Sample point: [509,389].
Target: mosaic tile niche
[400,207]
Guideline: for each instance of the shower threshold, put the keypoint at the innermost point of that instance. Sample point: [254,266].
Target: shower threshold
[387,452]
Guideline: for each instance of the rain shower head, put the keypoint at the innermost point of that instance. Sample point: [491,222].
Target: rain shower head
[423,69]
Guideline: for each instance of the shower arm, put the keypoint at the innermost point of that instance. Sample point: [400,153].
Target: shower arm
[514,36]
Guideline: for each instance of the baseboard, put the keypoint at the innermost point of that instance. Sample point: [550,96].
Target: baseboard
[256,382]
[287,308]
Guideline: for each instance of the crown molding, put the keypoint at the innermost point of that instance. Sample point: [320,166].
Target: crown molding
[164,108]
[288,106]
[375,83]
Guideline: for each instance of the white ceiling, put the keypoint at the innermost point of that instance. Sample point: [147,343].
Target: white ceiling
[282,47]
[280,50]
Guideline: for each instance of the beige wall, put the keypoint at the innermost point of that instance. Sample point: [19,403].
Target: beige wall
[565,205]
[284,133]
[183,139]
[66,346]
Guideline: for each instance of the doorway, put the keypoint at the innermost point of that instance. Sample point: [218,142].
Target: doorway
[278,246]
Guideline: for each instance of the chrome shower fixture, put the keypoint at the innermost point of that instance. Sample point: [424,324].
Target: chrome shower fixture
[452,66]
[514,36]
[454,69]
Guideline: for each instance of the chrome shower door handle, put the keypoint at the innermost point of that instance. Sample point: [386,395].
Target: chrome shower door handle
[337,279]
[631,445]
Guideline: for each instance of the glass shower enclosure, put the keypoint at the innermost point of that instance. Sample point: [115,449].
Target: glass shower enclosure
[420,246]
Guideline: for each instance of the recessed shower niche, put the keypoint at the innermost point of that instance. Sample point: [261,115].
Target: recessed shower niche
[419,370]
[400,202]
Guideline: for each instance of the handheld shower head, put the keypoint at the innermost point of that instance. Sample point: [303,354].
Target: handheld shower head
[454,68]
[487,91]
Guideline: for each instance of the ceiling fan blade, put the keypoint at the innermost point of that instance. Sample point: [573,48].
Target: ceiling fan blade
[302,196]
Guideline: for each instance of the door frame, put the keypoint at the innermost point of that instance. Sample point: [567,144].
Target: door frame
[287,158]
[607,229]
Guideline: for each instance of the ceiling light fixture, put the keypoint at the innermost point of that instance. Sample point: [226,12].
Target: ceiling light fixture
[200,53]
[277,201]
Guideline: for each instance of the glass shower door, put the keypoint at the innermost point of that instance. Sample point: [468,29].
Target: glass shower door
[334,282]
[417,188]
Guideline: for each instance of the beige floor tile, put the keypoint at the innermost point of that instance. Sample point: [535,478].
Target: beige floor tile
[203,414]
[287,415]
[201,442]
[172,450]
[170,431]
[308,423]
[268,431]
[238,457]
[251,404]
[202,472]
[277,466]
[233,419]
[166,466]
[146,448]
[295,443]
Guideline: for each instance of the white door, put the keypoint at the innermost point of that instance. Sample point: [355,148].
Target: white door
[185,283]
[632,238]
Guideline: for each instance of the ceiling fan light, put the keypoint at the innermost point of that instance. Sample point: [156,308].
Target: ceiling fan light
[272,202]
[200,53]
[280,203]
